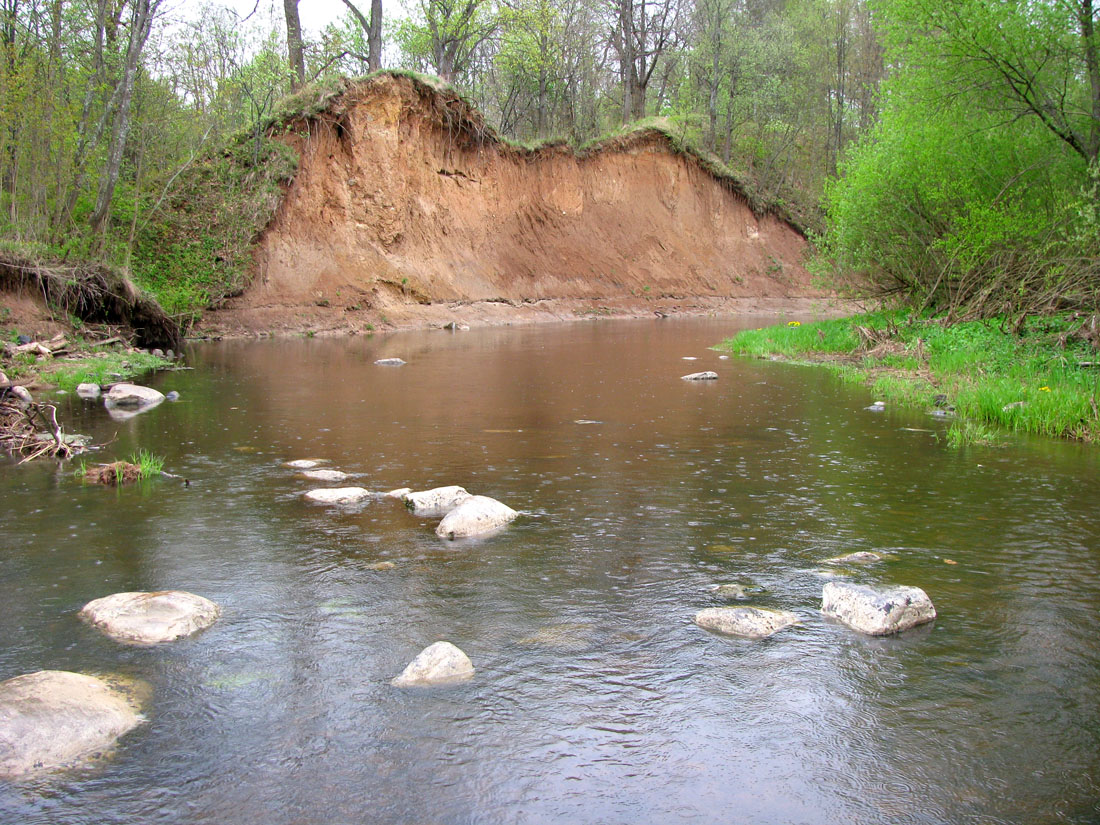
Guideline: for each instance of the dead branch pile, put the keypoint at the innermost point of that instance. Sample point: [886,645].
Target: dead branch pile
[31,430]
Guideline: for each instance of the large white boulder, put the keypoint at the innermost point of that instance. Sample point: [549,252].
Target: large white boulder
[53,718]
[149,618]
[437,664]
[337,495]
[876,611]
[750,622]
[436,502]
[132,396]
[475,515]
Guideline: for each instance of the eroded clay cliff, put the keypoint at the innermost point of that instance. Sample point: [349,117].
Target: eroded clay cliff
[407,207]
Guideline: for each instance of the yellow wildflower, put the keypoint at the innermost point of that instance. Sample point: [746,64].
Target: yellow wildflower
[1044,389]
[794,323]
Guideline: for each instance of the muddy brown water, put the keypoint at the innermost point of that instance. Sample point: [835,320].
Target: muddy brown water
[596,699]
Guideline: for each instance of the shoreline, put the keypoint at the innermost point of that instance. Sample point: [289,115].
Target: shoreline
[281,321]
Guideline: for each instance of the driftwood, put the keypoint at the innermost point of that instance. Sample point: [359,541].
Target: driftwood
[31,430]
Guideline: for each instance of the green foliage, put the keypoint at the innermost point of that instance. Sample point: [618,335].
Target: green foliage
[1034,379]
[970,195]
[198,254]
[148,464]
[100,368]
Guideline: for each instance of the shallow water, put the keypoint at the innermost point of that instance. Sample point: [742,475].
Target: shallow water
[596,698]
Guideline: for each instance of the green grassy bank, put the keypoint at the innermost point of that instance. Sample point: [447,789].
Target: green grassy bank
[1038,376]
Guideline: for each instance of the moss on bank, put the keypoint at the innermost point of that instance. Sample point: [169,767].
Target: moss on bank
[1040,376]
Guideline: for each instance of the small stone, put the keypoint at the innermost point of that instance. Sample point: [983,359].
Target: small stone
[381,565]
[390,362]
[876,611]
[1015,405]
[150,618]
[157,353]
[3,378]
[436,502]
[23,394]
[399,493]
[438,664]
[878,406]
[474,516]
[337,495]
[701,376]
[324,475]
[172,396]
[53,719]
[170,355]
[88,390]
[750,622]
[305,463]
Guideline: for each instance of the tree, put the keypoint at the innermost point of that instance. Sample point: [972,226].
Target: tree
[373,30]
[446,34]
[294,44]
[141,21]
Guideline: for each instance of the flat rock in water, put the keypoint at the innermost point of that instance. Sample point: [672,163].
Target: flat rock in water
[305,463]
[88,390]
[149,618]
[750,622]
[438,664]
[390,362]
[876,611]
[730,592]
[53,719]
[701,376]
[436,502]
[399,493]
[860,557]
[337,495]
[132,397]
[474,516]
[324,475]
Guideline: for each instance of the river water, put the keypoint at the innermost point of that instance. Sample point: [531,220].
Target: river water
[596,698]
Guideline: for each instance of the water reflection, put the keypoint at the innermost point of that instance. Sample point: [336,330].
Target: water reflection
[596,698]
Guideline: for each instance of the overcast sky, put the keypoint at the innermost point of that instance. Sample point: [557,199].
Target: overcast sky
[314,14]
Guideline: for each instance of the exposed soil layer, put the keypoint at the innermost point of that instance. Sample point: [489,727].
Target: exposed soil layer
[407,210]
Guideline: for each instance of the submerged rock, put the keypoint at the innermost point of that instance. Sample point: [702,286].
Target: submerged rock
[436,502]
[750,622]
[564,637]
[53,718]
[474,516]
[382,565]
[88,390]
[876,611]
[438,664]
[324,475]
[701,376]
[390,362]
[173,396]
[859,557]
[337,495]
[305,463]
[730,592]
[150,618]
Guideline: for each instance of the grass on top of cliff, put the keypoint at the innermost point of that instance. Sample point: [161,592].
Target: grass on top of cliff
[1042,377]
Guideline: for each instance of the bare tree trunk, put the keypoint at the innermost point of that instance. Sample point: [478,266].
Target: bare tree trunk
[294,44]
[374,37]
[140,24]
[626,56]
[1092,67]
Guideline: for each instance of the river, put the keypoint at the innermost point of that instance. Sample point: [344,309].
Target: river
[596,698]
